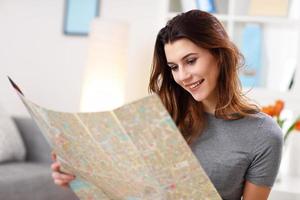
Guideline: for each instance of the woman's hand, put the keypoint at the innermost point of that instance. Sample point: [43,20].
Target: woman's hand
[60,178]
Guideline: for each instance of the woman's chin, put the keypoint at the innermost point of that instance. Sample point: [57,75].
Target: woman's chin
[198,97]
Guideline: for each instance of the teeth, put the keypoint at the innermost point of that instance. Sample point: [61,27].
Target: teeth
[196,84]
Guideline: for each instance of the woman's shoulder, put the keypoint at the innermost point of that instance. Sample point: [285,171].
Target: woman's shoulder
[267,127]
[266,149]
[263,120]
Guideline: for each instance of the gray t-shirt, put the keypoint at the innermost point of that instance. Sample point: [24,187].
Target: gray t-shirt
[232,151]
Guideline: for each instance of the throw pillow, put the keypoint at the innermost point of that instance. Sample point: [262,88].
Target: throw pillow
[12,147]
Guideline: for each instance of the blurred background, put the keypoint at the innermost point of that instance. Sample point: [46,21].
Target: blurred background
[92,55]
[52,48]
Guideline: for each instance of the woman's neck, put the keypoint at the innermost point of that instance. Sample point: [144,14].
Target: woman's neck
[210,103]
[209,107]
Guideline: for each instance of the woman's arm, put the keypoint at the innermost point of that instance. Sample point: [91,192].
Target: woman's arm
[255,192]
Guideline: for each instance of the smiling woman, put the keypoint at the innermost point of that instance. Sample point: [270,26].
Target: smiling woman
[202,35]
[196,70]
[195,73]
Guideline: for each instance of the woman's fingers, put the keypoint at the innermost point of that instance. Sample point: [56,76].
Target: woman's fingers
[62,179]
[62,176]
[61,183]
[55,166]
[53,156]
[56,169]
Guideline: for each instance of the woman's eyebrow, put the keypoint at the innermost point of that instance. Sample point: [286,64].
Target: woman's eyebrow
[187,55]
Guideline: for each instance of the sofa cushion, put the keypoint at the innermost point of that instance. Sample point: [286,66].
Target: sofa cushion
[30,181]
[37,147]
[11,145]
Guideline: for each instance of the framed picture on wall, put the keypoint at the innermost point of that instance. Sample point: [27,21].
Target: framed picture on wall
[78,16]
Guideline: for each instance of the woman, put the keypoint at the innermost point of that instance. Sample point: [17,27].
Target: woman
[195,73]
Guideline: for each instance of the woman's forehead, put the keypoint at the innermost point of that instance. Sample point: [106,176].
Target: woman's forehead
[180,48]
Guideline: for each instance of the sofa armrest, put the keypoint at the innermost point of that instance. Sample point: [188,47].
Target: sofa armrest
[37,148]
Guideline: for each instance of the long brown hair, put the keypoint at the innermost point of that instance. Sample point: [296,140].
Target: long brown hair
[207,32]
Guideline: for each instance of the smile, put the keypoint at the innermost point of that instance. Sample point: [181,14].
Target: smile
[196,84]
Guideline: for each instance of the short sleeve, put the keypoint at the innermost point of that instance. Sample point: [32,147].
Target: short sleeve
[266,154]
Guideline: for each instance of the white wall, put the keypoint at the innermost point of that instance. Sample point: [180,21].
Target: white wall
[49,66]
[145,18]
[38,56]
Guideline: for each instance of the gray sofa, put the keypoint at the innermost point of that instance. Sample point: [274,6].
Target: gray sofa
[31,180]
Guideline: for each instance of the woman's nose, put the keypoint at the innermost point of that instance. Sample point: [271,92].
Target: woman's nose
[184,75]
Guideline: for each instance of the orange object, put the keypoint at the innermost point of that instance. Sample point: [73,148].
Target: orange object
[279,105]
[297,125]
[269,110]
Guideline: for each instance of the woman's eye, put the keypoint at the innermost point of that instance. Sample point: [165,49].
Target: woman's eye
[174,67]
[191,61]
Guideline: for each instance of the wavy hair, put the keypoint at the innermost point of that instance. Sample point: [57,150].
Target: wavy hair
[207,32]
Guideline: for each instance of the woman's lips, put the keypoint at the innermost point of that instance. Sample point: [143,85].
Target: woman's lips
[195,85]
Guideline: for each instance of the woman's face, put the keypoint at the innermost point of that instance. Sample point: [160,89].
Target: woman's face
[194,68]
